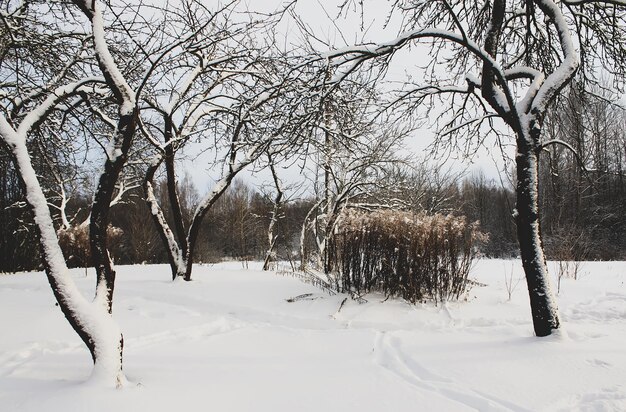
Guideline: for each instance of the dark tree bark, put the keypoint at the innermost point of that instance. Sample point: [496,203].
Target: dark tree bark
[527,127]
[91,321]
[117,154]
[172,191]
[196,223]
[543,307]
[102,200]
[175,242]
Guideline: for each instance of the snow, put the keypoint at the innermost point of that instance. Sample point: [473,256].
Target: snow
[94,319]
[565,71]
[41,111]
[175,251]
[107,62]
[230,341]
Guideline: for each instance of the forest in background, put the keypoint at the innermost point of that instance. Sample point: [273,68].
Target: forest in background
[103,102]
[582,208]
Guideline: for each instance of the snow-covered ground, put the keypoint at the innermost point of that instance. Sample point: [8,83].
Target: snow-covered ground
[230,341]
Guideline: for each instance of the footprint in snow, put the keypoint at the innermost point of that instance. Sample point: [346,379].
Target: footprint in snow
[607,399]
[599,362]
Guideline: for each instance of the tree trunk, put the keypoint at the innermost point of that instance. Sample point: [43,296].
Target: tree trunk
[271,237]
[174,254]
[201,211]
[542,301]
[269,255]
[116,158]
[92,322]
[105,283]
[172,189]
[117,154]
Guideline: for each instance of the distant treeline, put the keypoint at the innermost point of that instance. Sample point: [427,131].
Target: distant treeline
[582,191]
[583,217]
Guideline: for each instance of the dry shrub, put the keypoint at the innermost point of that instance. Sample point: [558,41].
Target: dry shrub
[75,244]
[414,256]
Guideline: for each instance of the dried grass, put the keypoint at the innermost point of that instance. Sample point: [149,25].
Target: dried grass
[414,256]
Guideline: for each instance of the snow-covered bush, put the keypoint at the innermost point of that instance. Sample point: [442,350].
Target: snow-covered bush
[415,256]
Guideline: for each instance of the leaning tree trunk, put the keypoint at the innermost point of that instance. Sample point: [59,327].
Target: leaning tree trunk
[204,207]
[92,322]
[175,255]
[172,189]
[542,302]
[117,153]
[105,272]
[175,241]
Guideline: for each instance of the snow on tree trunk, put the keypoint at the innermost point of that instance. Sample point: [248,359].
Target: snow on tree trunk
[174,253]
[271,236]
[91,321]
[117,153]
[172,191]
[542,301]
[100,218]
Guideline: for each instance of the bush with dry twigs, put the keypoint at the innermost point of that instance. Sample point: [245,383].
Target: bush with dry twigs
[417,257]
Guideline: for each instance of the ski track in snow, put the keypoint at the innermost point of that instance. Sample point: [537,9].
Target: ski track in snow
[11,362]
[219,326]
[391,358]
[584,374]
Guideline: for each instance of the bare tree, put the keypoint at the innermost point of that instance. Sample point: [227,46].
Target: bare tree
[583,190]
[424,186]
[276,215]
[232,96]
[507,60]
[355,158]
[490,202]
[27,105]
